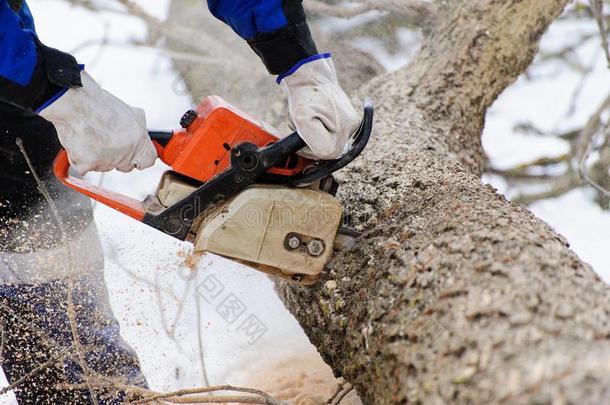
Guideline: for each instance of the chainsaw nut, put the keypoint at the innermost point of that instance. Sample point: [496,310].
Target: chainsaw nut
[249,161]
[293,241]
[315,247]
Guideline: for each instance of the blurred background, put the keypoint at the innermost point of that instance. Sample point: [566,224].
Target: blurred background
[197,321]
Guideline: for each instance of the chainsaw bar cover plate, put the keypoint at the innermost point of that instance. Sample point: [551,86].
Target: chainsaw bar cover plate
[289,229]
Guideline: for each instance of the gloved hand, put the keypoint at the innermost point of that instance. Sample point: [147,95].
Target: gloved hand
[99,131]
[320,110]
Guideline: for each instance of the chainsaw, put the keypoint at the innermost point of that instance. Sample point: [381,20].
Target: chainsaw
[239,190]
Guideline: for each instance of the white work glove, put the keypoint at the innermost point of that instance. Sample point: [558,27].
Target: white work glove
[99,131]
[320,111]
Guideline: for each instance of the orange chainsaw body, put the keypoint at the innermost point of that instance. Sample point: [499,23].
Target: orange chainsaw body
[215,143]
[202,150]
[238,166]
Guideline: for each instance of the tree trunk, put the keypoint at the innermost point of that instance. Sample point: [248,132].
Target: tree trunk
[454,294]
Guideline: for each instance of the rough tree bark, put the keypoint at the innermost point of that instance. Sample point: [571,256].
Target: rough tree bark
[455,295]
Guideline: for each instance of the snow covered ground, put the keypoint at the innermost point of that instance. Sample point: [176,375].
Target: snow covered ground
[169,311]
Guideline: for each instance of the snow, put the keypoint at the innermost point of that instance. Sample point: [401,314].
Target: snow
[146,277]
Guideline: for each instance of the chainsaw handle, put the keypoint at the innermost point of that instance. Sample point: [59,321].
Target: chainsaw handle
[119,202]
[278,151]
[327,167]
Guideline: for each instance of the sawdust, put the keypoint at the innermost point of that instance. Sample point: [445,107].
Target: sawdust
[302,379]
[190,258]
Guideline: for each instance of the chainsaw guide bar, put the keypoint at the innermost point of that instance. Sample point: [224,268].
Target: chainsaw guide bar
[237,190]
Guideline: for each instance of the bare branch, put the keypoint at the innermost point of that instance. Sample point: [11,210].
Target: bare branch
[585,144]
[597,6]
[54,359]
[157,29]
[204,372]
[561,186]
[417,12]
[342,391]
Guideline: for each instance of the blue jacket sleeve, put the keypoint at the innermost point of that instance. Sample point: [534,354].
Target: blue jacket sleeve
[17,44]
[30,72]
[275,29]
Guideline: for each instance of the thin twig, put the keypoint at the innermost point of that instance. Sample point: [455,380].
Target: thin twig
[216,400]
[49,341]
[585,143]
[181,305]
[597,6]
[205,44]
[264,398]
[194,57]
[338,390]
[152,284]
[204,372]
[159,299]
[581,84]
[342,395]
[561,186]
[2,340]
[343,388]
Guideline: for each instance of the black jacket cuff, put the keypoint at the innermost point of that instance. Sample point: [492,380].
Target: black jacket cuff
[54,71]
[282,49]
